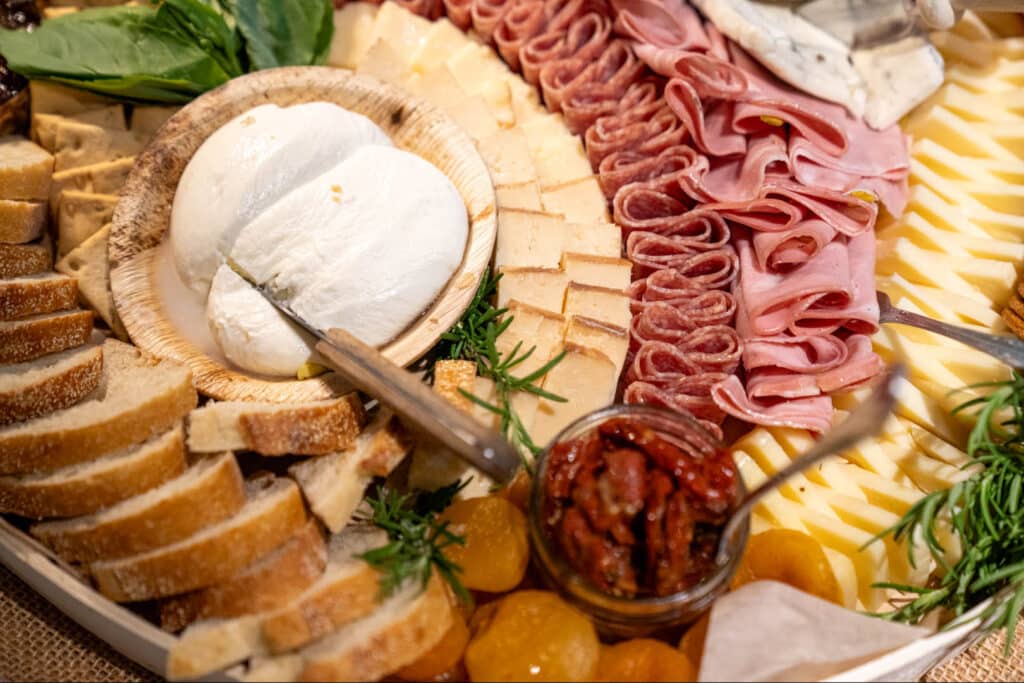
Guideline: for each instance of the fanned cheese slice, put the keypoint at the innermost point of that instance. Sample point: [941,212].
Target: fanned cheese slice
[937,303]
[440,40]
[524,196]
[529,239]
[580,202]
[540,287]
[599,271]
[926,235]
[353,30]
[383,63]
[531,328]
[903,257]
[586,379]
[595,239]
[610,306]
[508,157]
[610,340]
[402,31]
[956,133]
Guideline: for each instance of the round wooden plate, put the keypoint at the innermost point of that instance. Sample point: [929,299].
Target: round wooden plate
[141,221]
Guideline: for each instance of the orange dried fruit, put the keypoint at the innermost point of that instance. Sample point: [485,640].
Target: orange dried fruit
[497,549]
[532,636]
[692,644]
[644,659]
[439,662]
[790,557]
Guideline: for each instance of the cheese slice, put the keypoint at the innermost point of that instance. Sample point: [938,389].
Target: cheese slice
[475,117]
[610,340]
[402,31]
[480,71]
[610,306]
[80,216]
[524,196]
[53,98]
[581,201]
[508,157]
[595,239]
[586,378]
[558,157]
[935,303]
[439,86]
[441,39]
[529,239]
[147,120]
[353,32]
[531,328]
[384,63]
[539,287]
[903,257]
[104,178]
[599,271]
[79,144]
[927,236]
[44,126]
[956,133]
[89,266]
[935,446]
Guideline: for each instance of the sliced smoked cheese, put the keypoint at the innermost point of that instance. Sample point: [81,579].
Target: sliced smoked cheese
[273,513]
[89,487]
[29,338]
[529,239]
[20,260]
[142,397]
[207,493]
[586,378]
[52,383]
[609,306]
[531,328]
[36,294]
[610,340]
[580,202]
[539,287]
[89,266]
[598,271]
[82,144]
[44,126]
[21,222]
[26,169]
[80,215]
[316,428]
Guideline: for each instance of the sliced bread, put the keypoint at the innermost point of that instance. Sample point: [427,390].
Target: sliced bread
[36,294]
[334,484]
[312,428]
[25,169]
[142,397]
[21,222]
[270,582]
[89,266]
[206,494]
[346,591]
[80,215]
[90,487]
[273,513]
[29,338]
[48,384]
[19,260]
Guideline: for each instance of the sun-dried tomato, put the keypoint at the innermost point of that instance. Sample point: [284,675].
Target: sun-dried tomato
[637,513]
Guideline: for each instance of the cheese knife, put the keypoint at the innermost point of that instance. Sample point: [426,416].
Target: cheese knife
[411,399]
[864,24]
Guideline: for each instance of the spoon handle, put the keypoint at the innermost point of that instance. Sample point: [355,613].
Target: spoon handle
[1009,350]
[865,421]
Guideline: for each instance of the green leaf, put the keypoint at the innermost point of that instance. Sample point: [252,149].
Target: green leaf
[211,26]
[285,32]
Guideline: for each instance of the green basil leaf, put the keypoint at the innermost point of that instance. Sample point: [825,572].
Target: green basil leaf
[291,33]
[129,52]
[211,26]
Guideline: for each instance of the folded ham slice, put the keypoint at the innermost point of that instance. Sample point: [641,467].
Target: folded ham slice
[660,24]
[814,413]
[784,250]
[710,126]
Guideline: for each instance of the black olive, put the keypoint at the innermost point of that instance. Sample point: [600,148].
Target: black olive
[19,13]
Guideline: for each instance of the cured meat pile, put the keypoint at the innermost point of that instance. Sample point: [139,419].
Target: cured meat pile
[740,198]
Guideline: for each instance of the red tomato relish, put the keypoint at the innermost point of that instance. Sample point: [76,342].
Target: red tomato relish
[634,512]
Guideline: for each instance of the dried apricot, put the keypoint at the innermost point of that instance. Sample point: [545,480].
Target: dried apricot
[790,557]
[692,644]
[497,550]
[443,658]
[532,636]
[644,659]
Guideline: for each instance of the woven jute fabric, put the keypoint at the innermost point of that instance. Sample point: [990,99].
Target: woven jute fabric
[39,643]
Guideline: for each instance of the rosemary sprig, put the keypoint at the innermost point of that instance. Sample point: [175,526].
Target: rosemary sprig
[475,338]
[985,512]
[417,538]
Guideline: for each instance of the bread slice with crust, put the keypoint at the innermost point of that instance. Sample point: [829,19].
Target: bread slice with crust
[141,397]
[21,222]
[89,487]
[25,169]
[48,384]
[270,582]
[21,260]
[36,294]
[334,484]
[206,494]
[313,428]
[273,513]
[30,338]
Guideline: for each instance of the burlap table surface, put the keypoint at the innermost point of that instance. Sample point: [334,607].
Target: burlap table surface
[37,642]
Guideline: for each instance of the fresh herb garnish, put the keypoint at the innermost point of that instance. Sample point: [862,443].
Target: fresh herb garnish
[475,338]
[173,52]
[987,515]
[418,539]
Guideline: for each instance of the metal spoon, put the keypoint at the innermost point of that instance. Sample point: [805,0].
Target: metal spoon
[1010,350]
[865,421]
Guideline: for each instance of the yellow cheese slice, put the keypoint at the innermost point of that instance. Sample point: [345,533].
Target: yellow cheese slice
[957,49]
[353,29]
[53,98]
[956,133]
[935,446]
[586,379]
[926,235]
[926,472]
[382,62]
[524,196]
[612,341]
[480,71]
[610,306]
[475,117]
[771,458]
[531,328]
[937,303]
[44,126]
[80,216]
[79,144]
[526,102]
[599,271]
[940,213]
[529,239]
[947,163]
[596,239]
[440,40]
[540,287]
[580,202]
[508,157]
[557,154]
[402,31]
[917,265]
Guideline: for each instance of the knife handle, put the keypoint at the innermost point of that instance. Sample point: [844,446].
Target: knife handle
[413,400]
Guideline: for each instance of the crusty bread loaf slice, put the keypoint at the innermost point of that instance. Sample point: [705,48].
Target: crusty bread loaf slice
[89,487]
[19,260]
[206,494]
[273,513]
[346,591]
[36,294]
[89,266]
[21,222]
[30,338]
[334,484]
[48,384]
[80,215]
[25,169]
[270,582]
[313,428]
[142,397]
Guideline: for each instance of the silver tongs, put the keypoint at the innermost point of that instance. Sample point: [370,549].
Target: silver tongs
[411,399]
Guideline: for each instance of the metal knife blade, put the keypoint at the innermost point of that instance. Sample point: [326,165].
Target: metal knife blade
[371,372]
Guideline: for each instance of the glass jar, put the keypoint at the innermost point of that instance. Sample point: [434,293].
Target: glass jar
[621,616]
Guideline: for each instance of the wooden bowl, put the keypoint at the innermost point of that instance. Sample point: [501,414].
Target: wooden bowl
[141,221]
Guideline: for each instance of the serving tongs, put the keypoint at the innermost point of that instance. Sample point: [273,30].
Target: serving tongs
[410,398]
[1009,350]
